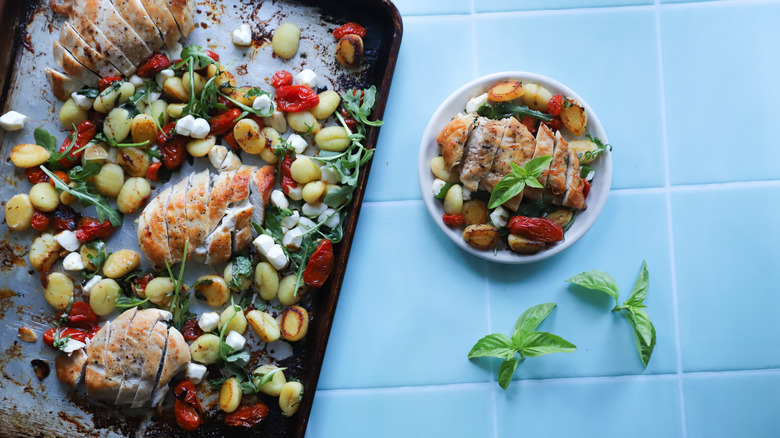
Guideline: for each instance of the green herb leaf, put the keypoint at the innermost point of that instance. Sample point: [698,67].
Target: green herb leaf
[644,333]
[508,109]
[338,196]
[601,147]
[91,93]
[241,268]
[82,193]
[495,345]
[641,286]
[96,260]
[514,182]
[122,302]
[531,318]
[585,170]
[443,192]
[351,102]
[540,343]
[79,173]
[44,138]
[259,379]
[596,280]
[506,371]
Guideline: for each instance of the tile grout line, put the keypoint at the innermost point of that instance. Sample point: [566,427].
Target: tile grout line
[669,222]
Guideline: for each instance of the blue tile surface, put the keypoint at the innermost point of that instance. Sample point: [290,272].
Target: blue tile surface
[452,411]
[618,77]
[733,405]
[614,408]
[726,245]
[604,338]
[391,319]
[413,100]
[735,137]
[514,5]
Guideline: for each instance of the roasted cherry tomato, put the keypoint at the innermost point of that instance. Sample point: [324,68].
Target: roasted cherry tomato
[585,188]
[172,146]
[453,220]
[288,184]
[139,284]
[349,28]
[281,79]
[530,123]
[348,119]
[155,64]
[286,165]
[230,139]
[187,406]
[555,105]
[40,221]
[90,229]
[536,228]
[247,416]
[191,330]
[62,176]
[80,316]
[556,124]
[212,55]
[296,98]
[64,332]
[35,175]
[64,218]
[320,264]
[107,81]
[224,122]
[86,132]
[151,172]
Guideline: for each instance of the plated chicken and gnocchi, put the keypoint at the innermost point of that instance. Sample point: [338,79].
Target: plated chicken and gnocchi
[248,185]
[511,166]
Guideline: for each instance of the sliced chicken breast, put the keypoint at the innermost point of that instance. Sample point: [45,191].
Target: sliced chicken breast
[62,85]
[163,19]
[183,12]
[86,55]
[117,355]
[137,339]
[556,177]
[176,217]
[480,150]
[115,28]
[152,230]
[177,357]
[70,369]
[198,210]
[153,358]
[96,39]
[517,146]
[96,355]
[452,138]
[574,196]
[134,12]
[73,67]
[545,146]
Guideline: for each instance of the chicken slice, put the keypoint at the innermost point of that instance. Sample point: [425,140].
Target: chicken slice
[137,338]
[96,39]
[133,12]
[62,85]
[574,196]
[242,228]
[229,195]
[556,176]
[117,355]
[545,146]
[115,28]
[516,147]
[70,369]
[164,21]
[96,356]
[197,207]
[73,67]
[152,230]
[153,358]
[86,55]
[263,180]
[480,150]
[453,137]
[183,12]
[176,217]
[177,357]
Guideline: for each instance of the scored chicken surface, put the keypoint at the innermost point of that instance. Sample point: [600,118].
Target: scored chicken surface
[480,150]
[517,146]
[453,138]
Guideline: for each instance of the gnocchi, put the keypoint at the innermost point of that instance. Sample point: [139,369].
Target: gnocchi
[102,296]
[58,290]
[285,40]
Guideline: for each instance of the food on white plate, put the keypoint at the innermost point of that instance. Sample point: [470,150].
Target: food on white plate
[518,162]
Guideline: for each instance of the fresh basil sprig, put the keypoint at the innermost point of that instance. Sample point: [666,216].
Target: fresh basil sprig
[633,308]
[509,109]
[525,340]
[515,181]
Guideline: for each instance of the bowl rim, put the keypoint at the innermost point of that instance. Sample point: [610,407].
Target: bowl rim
[454,104]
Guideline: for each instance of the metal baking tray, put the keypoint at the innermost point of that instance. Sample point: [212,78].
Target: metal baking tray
[30,407]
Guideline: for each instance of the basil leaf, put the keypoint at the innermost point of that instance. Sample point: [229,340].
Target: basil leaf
[536,166]
[123,302]
[531,318]
[641,286]
[91,93]
[241,268]
[45,139]
[585,170]
[644,333]
[597,280]
[506,189]
[509,109]
[506,371]
[443,192]
[541,343]
[495,345]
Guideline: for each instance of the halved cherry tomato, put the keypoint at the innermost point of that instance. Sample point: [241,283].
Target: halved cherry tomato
[172,146]
[286,165]
[40,221]
[349,28]
[80,316]
[107,81]
[212,55]
[281,79]
[453,220]
[320,265]
[556,124]
[187,406]
[555,105]
[288,184]
[62,176]
[139,284]
[155,64]
[75,334]
[35,175]
[348,119]
[230,139]
[191,330]
[90,229]
[585,188]
[536,228]
[151,172]
[530,123]
[296,98]
[86,132]
[247,416]
[64,218]
[224,122]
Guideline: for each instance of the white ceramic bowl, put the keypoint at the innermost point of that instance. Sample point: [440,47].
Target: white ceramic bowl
[456,103]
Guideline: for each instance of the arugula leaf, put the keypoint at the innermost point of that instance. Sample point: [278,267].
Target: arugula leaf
[198,54]
[514,182]
[96,260]
[122,302]
[83,173]
[338,196]
[601,147]
[361,112]
[101,137]
[596,280]
[242,267]
[180,302]
[509,109]
[525,341]
[81,192]
[263,378]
